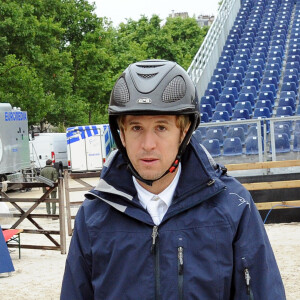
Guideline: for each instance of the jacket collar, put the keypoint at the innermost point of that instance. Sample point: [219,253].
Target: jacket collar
[116,187]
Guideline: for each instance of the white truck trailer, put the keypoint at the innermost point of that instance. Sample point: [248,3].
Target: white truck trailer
[14,142]
[49,145]
[88,147]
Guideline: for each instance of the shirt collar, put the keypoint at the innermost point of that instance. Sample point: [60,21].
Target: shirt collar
[166,195]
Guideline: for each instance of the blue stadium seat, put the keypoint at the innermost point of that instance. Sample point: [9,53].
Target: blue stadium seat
[268,88]
[262,112]
[293,58]
[296,141]
[236,132]
[233,83]
[235,76]
[289,86]
[223,65]
[213,92]
[258,55]
[228,99]
[275,67]
[272,73]
[226,58]
[240,63]
[287,102]
[288,94]
[262,50]
[228,53]
[249,90]
[209,100]
[282,143]
[264,103]
[242,57]
[255,75]
[220,116]
[271,80]
[251,82]
[231,91]
[220,71]
[244,105]
[284,111]
[293,65]
[219,78]
[213,147]
[240,114]
[217,134]
[204,117]
[258,62]
[197,135]
[232,147]
[275,60]
[240,70]
[251,145]
[294,52]
[282,128]
[267,96]
[243,97]
[255,68]
[206,108]
[224,107]
[202,129]
[292,72]
[277,48]
[215,85]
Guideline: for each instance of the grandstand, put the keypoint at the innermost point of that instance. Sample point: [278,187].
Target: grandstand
[254,81]
[247,74]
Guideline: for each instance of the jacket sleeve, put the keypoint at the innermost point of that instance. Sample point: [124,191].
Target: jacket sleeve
[77,283]
[256,274]
[55,175]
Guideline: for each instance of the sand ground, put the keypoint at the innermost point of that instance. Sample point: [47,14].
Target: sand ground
[38,274]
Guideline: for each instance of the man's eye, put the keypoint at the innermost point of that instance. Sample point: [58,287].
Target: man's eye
[161,128]
[136,128]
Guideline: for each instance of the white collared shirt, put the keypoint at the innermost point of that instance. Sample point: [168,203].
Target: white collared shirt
[157,205]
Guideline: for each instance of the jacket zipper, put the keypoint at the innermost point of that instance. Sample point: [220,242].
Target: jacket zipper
[180,273]
[247,279]
[155,252]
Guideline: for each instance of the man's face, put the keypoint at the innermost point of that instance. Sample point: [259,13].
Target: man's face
[152,143]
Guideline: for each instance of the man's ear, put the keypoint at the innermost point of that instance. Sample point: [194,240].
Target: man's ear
[122,137]
[184,132]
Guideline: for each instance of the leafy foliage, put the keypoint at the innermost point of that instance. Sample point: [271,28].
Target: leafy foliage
[59,61]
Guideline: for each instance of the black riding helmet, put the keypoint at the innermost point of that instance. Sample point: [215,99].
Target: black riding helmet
[154,87]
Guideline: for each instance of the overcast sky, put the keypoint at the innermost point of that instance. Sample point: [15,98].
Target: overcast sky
[120,10]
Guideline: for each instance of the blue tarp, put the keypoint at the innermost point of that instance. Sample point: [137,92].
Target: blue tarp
[6,264]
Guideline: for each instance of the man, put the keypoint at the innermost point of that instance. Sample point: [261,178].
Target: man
[50,173]
[166,222]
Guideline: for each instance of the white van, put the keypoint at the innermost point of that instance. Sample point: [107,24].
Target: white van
[88,147]
[50,145]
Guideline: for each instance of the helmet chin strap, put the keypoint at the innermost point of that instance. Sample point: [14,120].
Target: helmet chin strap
[174,165]
[150,182]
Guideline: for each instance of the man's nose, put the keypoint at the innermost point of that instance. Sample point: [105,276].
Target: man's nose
[149,140]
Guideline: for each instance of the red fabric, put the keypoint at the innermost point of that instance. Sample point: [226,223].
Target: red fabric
[9,233]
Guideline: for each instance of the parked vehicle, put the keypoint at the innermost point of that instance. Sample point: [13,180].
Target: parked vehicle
[49,145]
[88,147]
[14,142]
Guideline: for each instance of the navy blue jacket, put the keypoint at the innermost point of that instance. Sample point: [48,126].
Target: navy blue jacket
[211,243]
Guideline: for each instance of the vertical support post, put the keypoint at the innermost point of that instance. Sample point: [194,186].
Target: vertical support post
[62,222]
[68,207]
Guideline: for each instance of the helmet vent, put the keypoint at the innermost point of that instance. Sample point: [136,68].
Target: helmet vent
[149,66]
[147,76]
[121,93]
[175,90]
